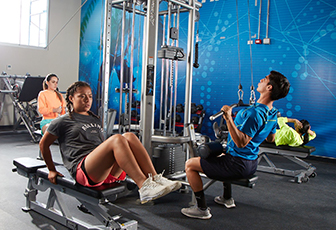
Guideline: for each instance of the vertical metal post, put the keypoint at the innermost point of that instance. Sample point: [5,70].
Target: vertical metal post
[189,71]
[163,61]
[106,63]
[167,76]
[150,61]
[122,48]
[171,86]
[176,71]
[131,69]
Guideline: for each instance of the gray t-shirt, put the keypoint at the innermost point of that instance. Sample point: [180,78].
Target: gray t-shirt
[77,137]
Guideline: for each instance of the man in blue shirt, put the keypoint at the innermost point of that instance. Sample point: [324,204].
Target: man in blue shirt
[251,126]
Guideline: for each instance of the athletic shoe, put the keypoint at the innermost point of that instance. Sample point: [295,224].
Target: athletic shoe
[229,203]
[151,190]
[196,212]
[172,185]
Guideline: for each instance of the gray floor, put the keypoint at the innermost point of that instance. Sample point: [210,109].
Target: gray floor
[275,202]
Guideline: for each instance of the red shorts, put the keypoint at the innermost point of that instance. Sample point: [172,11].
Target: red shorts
[83,180]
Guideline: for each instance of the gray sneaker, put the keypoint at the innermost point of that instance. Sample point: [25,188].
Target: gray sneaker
[151,190]
[229,203]
[172,185]
[195,212]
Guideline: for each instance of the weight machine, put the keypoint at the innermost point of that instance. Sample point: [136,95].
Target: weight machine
[170,54]
[23,91]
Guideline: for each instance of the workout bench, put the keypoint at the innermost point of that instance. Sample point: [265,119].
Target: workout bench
[93,200]
[245,182]
[214,149]
[291,153]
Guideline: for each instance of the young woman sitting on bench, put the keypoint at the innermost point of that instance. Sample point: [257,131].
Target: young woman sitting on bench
[51,103]
[93,161]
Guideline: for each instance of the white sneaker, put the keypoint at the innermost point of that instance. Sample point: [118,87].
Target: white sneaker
[229,203]
[151,190]
[196,212]
[172,185]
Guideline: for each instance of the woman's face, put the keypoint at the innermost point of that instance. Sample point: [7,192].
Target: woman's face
[52,83]
[82,100]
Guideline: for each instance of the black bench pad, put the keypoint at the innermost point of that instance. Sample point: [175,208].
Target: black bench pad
[28,164]
[31,165]
[67,181]
[247,182]
[302,148]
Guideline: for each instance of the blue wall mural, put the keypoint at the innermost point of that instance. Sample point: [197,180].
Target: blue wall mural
[302,36]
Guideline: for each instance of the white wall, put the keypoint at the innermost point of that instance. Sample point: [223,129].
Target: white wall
[61,57]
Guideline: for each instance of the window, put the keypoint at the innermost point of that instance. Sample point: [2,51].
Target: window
[24,22]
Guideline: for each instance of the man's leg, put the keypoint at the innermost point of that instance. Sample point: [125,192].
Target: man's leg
[193,168]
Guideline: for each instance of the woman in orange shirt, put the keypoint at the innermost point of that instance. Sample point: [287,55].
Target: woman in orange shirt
[51,103]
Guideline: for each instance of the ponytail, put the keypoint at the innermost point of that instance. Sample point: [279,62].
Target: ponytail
[45,86]
[304,131]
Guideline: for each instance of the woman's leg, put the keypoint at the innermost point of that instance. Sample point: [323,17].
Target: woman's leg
[146,165]
[44,128]
[110,156]
[140,154]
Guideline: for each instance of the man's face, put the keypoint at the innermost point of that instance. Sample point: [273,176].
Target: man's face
[263,85]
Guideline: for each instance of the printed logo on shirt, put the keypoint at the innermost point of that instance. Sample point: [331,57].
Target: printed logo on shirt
[92,125]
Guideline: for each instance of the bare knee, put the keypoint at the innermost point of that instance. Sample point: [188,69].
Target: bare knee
[130,136]
[193,164]
[116,140]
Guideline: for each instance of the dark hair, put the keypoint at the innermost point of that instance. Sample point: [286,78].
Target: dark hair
[71,91]
[45,86]
[304,131]
[280,85]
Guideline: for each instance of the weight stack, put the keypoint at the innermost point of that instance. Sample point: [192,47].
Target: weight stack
[168,157]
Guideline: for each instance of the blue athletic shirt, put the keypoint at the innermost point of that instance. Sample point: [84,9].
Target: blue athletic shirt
[256,121]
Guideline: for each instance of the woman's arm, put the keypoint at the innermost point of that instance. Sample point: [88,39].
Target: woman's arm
[43,106]
[47,140]
[296,122]
[238,137]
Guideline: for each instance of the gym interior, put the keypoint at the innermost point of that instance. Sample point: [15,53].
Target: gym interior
[163,69]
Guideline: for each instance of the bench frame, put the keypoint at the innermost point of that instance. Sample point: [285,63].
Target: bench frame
[291,153]
[245,182]
[95,204]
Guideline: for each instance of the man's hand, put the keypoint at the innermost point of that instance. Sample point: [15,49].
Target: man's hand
[227,111]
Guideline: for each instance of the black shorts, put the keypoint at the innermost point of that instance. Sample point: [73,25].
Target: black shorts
[228,166]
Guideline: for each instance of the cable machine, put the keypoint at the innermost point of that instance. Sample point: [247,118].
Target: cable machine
[152,11]
[240,87]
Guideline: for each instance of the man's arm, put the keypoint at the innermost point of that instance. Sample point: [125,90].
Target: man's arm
[271,138]
[238,137]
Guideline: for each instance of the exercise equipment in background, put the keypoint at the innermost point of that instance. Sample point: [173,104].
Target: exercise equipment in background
[23,91]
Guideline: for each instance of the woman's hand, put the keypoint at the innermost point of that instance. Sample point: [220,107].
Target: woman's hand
[57,109]
[297,124]
[53,175]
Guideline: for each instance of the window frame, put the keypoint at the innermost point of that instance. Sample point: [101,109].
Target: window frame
[23,36]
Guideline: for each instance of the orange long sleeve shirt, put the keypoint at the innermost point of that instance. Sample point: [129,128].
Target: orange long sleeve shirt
[47,100]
